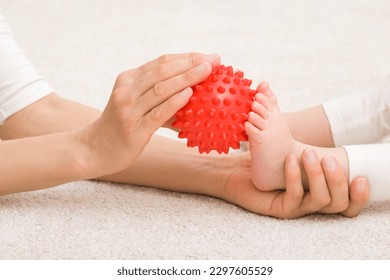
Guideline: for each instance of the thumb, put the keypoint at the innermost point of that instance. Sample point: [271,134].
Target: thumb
[359,195]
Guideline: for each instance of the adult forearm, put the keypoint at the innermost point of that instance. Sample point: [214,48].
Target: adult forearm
[39,162]
[164,163]
[168,164]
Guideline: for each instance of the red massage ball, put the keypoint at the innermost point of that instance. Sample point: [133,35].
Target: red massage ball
[214,117]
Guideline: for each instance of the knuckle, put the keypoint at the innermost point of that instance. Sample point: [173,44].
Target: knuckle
[343,206]
[161,70]
[158,89]
[122,75]
[117,97]
[123,97]
[126,77]
[297,193]
[323,200]
[186,76]
[122,100]
[164,58]
[196,59]
[157,113]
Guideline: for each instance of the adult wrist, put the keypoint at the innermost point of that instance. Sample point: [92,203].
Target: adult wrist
[87,161]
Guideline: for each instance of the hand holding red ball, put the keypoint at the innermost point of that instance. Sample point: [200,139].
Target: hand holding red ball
[215,115]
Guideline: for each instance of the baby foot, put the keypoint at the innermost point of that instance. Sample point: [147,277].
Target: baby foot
[270,140]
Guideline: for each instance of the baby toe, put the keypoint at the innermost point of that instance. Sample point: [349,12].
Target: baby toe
[263,87]
[260,110]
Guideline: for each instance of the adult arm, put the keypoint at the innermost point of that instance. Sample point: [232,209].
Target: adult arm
[151,94]
[170,165]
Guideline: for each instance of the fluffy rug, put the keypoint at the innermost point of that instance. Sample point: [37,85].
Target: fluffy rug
[311,51]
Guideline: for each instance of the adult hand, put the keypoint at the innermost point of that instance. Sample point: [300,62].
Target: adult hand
[143,99]
[328,191]
[329,187]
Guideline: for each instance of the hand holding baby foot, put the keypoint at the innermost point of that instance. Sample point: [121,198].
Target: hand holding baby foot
[327,191]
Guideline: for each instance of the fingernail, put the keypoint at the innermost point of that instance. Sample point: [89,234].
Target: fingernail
[330,163]
[211,57]
[310,156]
[201,67]
[361,185]
[186,92]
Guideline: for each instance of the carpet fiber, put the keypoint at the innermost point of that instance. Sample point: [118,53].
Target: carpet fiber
[310,51]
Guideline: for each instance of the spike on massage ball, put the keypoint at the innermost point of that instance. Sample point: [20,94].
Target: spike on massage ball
[215,116]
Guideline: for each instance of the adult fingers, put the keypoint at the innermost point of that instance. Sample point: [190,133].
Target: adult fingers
[171,68]
[318,196]
[130,76]
[359,195]
[163,112]
[149,66]
[293,196]
[165,89]
[162,66]
[337,185]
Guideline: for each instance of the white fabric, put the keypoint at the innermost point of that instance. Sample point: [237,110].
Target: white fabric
[310,51]
[373,162]
[364,119]
[20,84]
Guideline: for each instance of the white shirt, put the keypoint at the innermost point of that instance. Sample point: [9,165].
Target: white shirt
[361,124]
[20,84]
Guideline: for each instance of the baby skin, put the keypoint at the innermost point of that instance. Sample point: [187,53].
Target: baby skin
[271,143]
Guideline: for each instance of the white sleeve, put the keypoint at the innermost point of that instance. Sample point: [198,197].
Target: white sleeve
[20,84]
[373,162]
[358,121]
[360,118]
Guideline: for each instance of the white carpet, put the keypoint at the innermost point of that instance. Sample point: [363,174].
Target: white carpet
[309,50]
